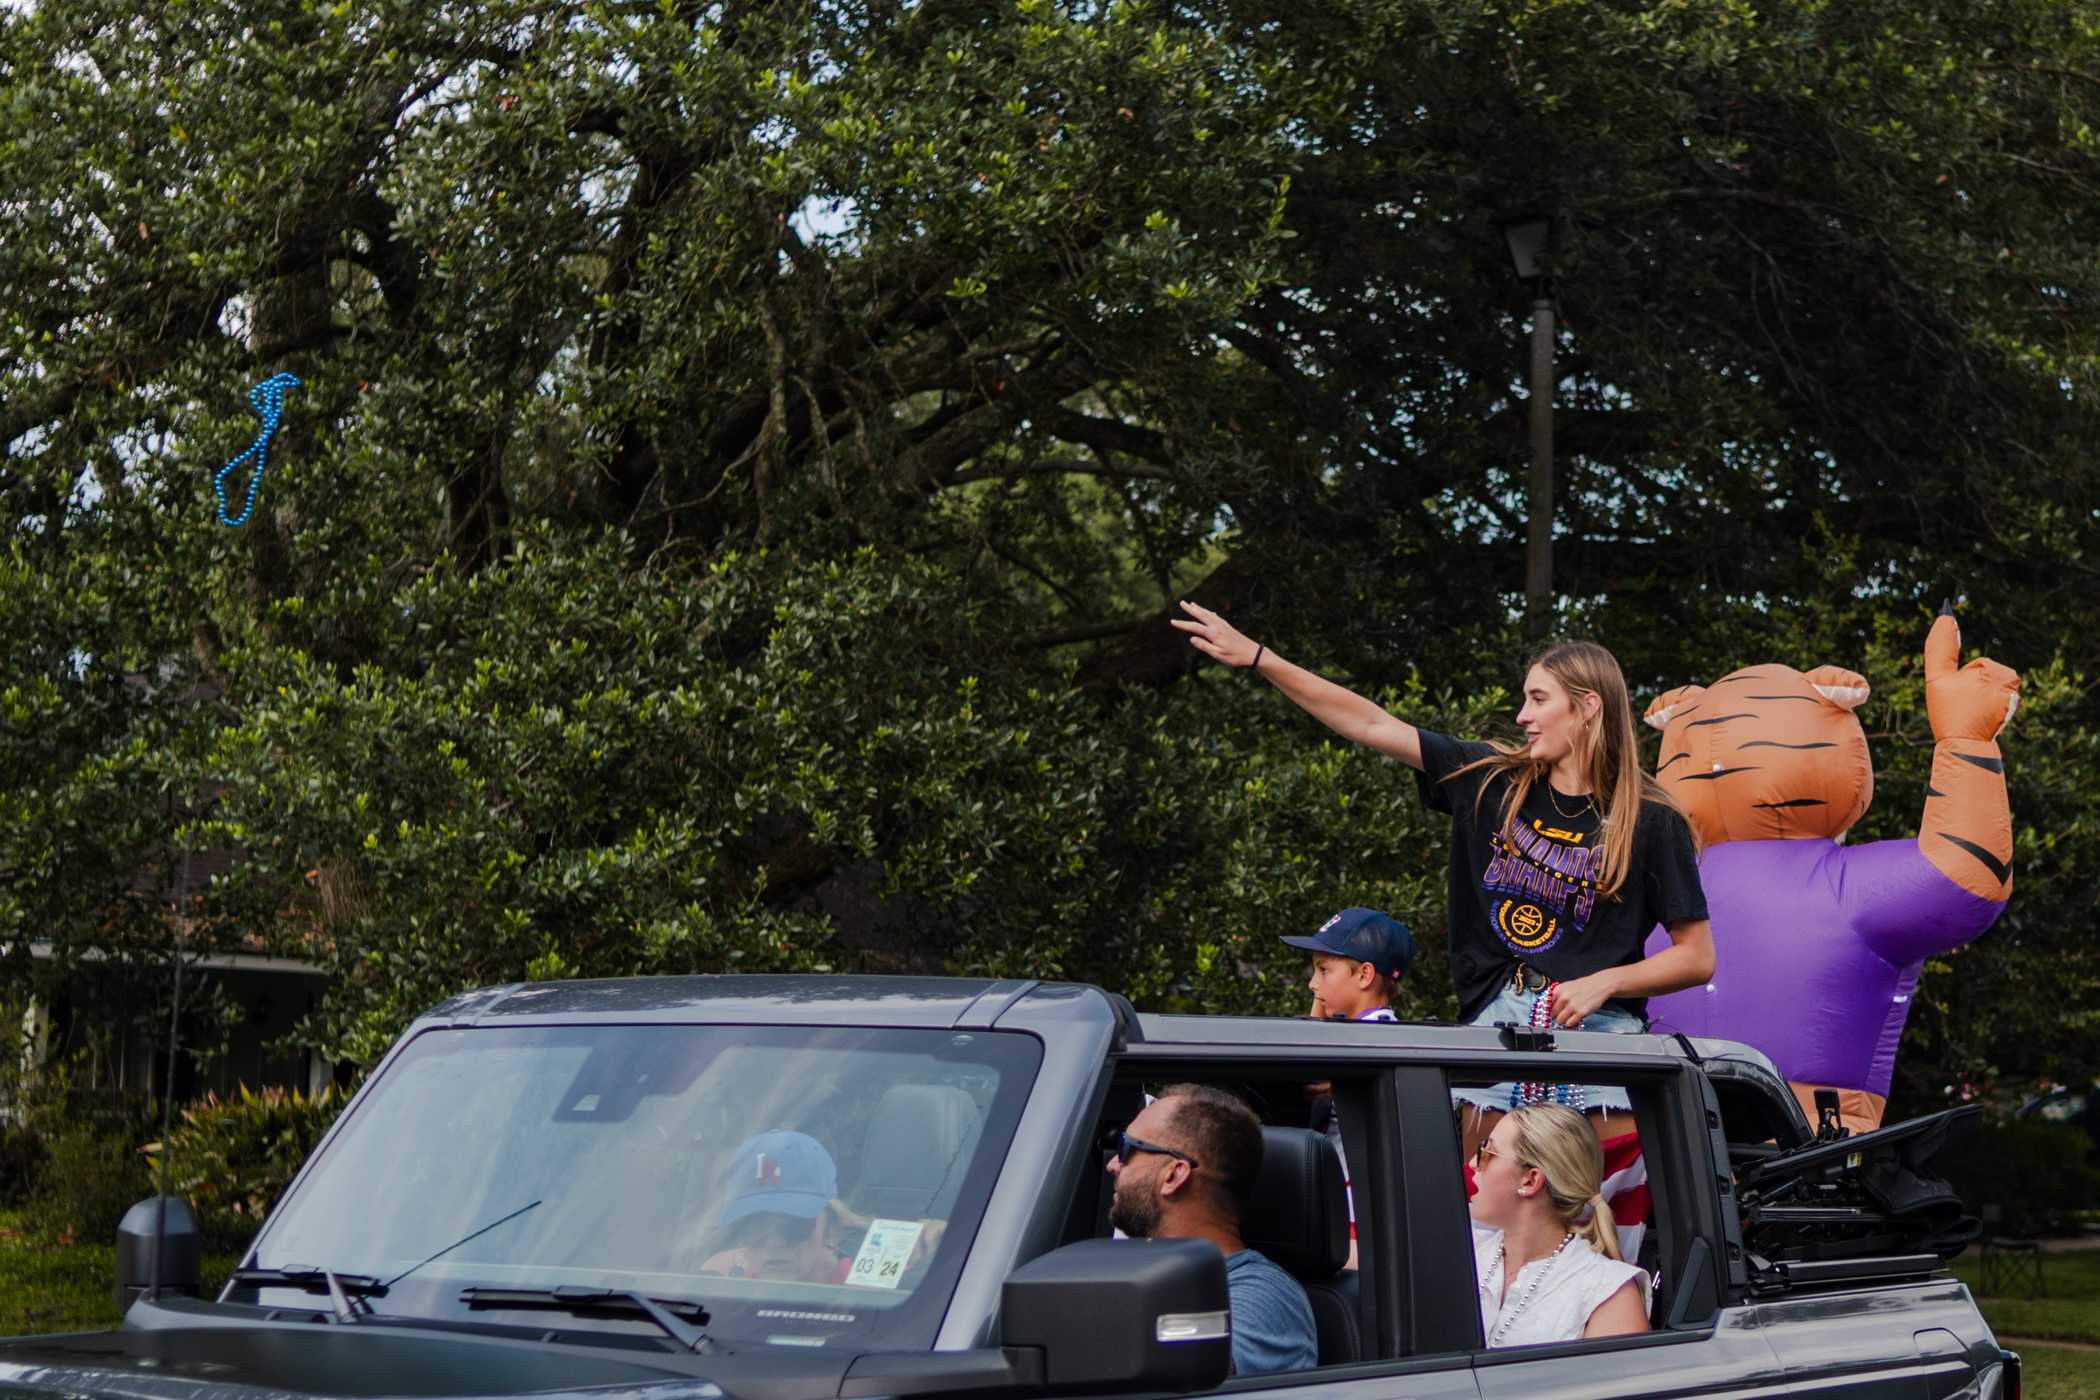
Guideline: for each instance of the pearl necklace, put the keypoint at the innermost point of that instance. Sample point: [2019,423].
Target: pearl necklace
[1509,1318]
[268,400]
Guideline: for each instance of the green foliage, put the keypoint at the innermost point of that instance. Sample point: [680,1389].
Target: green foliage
[93,1173]
[22,1159]
[743,454]
[232,1158]
[867,780]
[2037,1172]
[55,1282]
[48,1286]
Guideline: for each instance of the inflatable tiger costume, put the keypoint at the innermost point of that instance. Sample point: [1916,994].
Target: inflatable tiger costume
[1818,944]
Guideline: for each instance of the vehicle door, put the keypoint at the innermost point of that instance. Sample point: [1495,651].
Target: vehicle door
[1367,1097]
[1706,1339]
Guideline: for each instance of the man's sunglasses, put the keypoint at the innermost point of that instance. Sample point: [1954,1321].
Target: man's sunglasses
[1122,1146]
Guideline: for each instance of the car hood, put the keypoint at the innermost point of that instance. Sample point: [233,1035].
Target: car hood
[309,1360]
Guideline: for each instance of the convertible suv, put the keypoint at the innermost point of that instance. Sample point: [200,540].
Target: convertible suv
[545,1188]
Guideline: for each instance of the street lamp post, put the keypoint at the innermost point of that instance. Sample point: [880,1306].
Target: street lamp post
[1528,235]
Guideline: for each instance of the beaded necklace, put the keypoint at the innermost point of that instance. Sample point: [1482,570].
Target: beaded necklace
[1509,1318]
[268,400]
[1573,1096]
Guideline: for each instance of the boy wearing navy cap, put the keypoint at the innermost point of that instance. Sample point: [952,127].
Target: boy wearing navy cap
[1358,959]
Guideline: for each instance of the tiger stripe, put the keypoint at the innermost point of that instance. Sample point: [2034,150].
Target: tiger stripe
[1967,830]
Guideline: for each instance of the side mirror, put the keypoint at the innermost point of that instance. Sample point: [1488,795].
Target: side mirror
[1132,1315]
[182,1250]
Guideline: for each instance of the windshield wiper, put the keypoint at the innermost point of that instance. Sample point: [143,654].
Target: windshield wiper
[574,1298]
[341,1287]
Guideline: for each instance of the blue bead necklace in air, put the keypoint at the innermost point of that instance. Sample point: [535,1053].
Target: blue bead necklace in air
[268,399]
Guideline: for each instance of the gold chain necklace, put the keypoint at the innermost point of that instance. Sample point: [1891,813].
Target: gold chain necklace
[1588,801]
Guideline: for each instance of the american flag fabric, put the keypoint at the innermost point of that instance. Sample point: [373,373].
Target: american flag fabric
[1626,1190]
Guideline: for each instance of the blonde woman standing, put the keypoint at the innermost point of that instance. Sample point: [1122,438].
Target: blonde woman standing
[1544,1247]
[1565,856]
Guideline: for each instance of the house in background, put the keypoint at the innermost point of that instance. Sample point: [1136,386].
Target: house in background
[122,1055]
[126,1057]
[272,993]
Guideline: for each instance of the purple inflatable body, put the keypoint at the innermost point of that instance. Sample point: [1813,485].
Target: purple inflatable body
[1820,945]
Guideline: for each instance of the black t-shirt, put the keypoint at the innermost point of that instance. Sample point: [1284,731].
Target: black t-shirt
[1528,891]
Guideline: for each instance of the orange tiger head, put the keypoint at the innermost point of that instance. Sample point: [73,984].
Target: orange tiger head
[1766,753]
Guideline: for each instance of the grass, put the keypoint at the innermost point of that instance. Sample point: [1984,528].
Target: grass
[2053,1373]
[2070,1312]
[49,1283]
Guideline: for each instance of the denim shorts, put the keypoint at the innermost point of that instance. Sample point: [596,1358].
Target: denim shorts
[1512,1005]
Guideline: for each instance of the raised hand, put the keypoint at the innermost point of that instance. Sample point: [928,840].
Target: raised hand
[1965,702]
[1215,637]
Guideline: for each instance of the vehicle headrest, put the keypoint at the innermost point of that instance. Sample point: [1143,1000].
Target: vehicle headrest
[917,1147]
[1299,1213]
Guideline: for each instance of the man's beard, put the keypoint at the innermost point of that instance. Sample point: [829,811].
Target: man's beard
[1135,1212]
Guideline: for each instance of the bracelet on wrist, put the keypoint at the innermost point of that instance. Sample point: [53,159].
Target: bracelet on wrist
[1255,664]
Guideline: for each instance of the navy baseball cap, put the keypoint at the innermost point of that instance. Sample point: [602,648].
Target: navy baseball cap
[1364,935]
[782,1172]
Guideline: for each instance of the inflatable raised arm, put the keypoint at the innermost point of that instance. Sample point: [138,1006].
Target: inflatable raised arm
[1819,944]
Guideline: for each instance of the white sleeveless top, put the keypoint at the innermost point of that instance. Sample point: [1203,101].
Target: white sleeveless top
[1575,1283]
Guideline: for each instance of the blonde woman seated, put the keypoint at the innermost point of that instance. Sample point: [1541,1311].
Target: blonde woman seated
[1543,1242]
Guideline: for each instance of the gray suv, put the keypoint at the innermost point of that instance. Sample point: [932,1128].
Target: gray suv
[541,1189]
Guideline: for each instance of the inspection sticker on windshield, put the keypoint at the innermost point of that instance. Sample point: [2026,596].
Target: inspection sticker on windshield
[884,1253]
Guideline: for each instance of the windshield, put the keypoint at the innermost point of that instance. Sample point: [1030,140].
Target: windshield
[812,1186]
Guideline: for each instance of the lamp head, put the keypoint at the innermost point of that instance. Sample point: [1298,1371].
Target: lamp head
[1528,234]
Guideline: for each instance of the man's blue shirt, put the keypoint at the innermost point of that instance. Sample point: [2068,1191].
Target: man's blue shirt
[1272,1323]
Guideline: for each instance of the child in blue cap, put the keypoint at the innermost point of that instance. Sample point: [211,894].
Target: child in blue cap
[780,1219]
[1358,960]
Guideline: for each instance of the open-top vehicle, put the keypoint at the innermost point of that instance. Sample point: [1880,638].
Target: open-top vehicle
[528,1194]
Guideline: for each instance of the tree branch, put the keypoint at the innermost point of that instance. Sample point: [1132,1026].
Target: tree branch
[1056,466]
[1106,435]
[1087,632]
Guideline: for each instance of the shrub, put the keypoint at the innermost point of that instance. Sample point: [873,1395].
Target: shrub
[21,1163]
[2036,1172]
[92,1174]
[233,1157]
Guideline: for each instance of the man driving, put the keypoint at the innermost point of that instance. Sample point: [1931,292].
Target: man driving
[1183,1169]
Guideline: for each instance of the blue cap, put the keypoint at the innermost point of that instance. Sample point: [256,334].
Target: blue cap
[781,1172]
[1365,936]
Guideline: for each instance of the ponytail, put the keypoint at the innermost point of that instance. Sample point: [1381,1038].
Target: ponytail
[1595,1225]
[1560,1143]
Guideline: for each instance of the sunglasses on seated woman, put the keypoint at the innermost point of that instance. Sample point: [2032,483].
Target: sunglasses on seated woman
[1122,1146]
[1488,1149]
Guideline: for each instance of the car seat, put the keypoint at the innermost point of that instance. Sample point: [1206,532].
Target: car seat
[1298,1216]
[916,1150]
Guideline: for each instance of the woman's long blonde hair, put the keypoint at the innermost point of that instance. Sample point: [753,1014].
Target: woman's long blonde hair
[1562,1145]
[1605,746]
